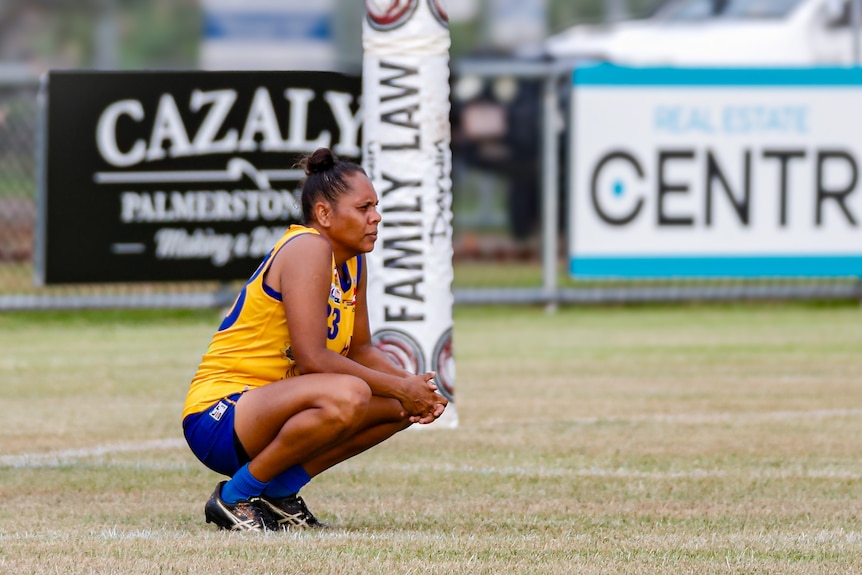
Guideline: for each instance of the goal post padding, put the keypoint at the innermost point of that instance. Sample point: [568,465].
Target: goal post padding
[407,154]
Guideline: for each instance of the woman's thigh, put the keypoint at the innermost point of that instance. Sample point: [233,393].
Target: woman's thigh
[262,412]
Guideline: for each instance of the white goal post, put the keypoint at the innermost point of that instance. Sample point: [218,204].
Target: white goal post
[407,154]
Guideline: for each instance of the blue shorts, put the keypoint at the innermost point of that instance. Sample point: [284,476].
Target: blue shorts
[211,437]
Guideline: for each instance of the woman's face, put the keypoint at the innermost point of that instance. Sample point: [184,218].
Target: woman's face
[355,217]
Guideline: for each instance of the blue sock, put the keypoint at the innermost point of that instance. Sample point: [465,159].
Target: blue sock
[242,486]
[287,483]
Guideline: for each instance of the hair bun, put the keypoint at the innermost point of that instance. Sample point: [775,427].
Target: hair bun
[321,160]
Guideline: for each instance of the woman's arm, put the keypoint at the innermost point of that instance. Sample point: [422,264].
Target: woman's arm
[362,349]
[302,272]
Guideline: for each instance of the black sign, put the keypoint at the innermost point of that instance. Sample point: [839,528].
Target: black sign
[181,175]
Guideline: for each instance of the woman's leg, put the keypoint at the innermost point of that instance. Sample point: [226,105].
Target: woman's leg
[382,420]
[308,423]
[293,421]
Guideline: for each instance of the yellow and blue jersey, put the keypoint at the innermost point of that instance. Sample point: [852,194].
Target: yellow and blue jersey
[252,346]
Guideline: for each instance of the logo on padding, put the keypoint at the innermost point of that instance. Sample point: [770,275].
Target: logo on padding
[438,8]
[402,348]
[389,14]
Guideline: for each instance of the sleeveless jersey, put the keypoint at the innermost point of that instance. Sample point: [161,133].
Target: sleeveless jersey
[252,347]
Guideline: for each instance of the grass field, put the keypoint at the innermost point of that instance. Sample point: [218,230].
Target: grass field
[653,439]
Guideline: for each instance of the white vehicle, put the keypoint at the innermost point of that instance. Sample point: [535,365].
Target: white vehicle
[720,33]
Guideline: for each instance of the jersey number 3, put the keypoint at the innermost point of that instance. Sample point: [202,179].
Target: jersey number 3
[333,321]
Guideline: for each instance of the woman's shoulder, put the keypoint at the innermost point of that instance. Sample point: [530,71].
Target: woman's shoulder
[299,229]
[301,249]
[303,240]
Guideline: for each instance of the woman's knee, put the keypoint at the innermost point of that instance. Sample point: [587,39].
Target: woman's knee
[347,402]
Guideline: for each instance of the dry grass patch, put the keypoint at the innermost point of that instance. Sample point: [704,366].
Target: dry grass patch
[713,439]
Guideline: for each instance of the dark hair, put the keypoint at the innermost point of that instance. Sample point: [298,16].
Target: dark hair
[325,179]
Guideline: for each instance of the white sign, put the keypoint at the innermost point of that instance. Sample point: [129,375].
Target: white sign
[715,172]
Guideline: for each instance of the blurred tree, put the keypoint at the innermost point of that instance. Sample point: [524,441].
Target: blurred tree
[467,36]
[563,14]
[566,13]
[167,33]
[160,33]
[76,33]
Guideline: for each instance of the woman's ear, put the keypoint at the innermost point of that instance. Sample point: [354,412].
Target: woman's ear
[322,213]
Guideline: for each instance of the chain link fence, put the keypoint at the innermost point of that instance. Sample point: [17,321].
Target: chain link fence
[484,235]
[17,175]
[19,148]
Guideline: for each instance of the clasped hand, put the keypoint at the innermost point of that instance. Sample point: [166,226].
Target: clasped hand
[423,404]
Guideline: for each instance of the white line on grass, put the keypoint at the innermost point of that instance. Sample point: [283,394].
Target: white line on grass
[67,456]
[729,544]
[723,417]
[694,417]
[613,473]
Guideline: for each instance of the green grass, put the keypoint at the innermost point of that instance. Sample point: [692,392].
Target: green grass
[640,439]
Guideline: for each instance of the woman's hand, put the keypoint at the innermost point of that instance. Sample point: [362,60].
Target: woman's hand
[422,402]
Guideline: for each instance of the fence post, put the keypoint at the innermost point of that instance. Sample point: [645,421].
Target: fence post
[550,198]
